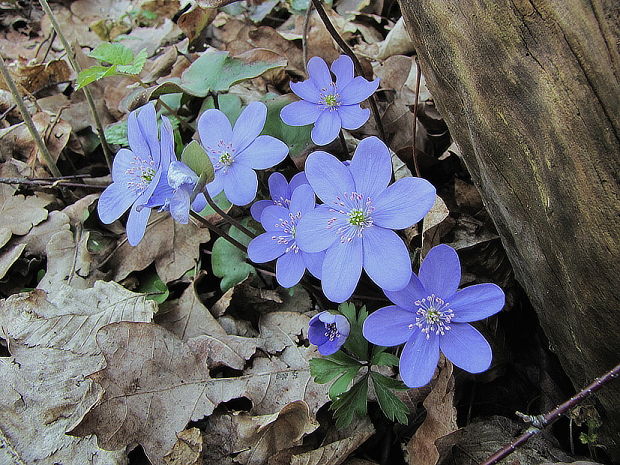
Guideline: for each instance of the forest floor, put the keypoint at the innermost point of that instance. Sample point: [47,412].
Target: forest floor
[66,278]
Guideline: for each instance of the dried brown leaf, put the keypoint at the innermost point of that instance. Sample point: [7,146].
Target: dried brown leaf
[187,450]
[19,214]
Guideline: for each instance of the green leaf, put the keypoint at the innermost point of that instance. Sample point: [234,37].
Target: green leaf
[221,201]
[356,343]
[152,285]
[228,262]
[197,159]
[352,403]
[382,358]
[117,133]
[115,54]
[392,407]
[326,369]
[216,71]
[342,383]
[94,73]
[229,104]
[296,137]
[136,65]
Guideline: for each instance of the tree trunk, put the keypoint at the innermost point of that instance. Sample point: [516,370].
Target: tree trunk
[529,90]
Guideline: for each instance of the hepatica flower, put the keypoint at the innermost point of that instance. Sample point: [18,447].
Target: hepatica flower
[237,152]
[178,190]
[328,332]
[280,192]
[137,172]
[430,315]
[355,223]
[329,105]
[280,239]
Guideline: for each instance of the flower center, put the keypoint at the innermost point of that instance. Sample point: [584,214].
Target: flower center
[331,100]
[226,158]
[353,215]
[433,315]
[289,230]
[141,173]
[330,96]
[331,331]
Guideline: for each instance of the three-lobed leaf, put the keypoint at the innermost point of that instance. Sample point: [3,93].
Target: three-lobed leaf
[351,404]
[198,161]
[228,262]
[393,408]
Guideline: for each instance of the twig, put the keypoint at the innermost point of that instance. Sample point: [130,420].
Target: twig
[107,153]
[218,231]
[304,35]
[227,217]
[347,50]
[415,117]
[45,153]
[50,183]
[541,421]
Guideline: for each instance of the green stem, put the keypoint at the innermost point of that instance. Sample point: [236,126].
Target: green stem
[45,153]
[107,153]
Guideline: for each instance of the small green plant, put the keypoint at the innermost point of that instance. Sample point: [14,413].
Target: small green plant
[120,59]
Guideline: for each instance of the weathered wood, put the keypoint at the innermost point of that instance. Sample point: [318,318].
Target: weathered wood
[529,90]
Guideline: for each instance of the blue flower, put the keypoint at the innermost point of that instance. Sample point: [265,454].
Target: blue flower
[431,315]
[280,192]
[137,172]
[355,223]
[237,152]
[279,240]
[328,332]
[329,105]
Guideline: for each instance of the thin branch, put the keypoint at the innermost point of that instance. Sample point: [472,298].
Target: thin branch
[45,153]
[541,421]
[415,117]
[89,97]
[48,183]
[304,35]
[227,217]
[218,231]
[347,50]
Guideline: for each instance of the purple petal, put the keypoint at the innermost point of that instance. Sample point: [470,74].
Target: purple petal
[179,173]
[179,205]
[217,185]
[319,73]
[477,302]
[200,202]
[328,177]
[314,263]
[167,143]
[302,200]
[419,359]
[249,125]
[358,90]
[263,248]
[371,167]
[273,215]
[464,346]
[331,347]
[386,259]
[441,271]
[306,90]
[161,195]
[146,121]
[290,268]
[298,180]
[240,184]
[136,224]
[137,142]
[389,326]
[342,325]
[313,233]
[343,70]
[278,187]
[256,210]
[301,113]
[403,203]
[342,269]
[264,152]
[326,127]
[353,116]
[114,201]
[405,298]
[214,127]
[121,164]
[316,332]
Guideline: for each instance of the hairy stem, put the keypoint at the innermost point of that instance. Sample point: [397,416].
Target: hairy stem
[227,217]
[541,421]
[45,153]
[107,153]
[218,231]
[415,117]
[347,50]
[48,183]
[304,35]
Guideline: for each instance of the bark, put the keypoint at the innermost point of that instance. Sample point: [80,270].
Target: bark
[529,90]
